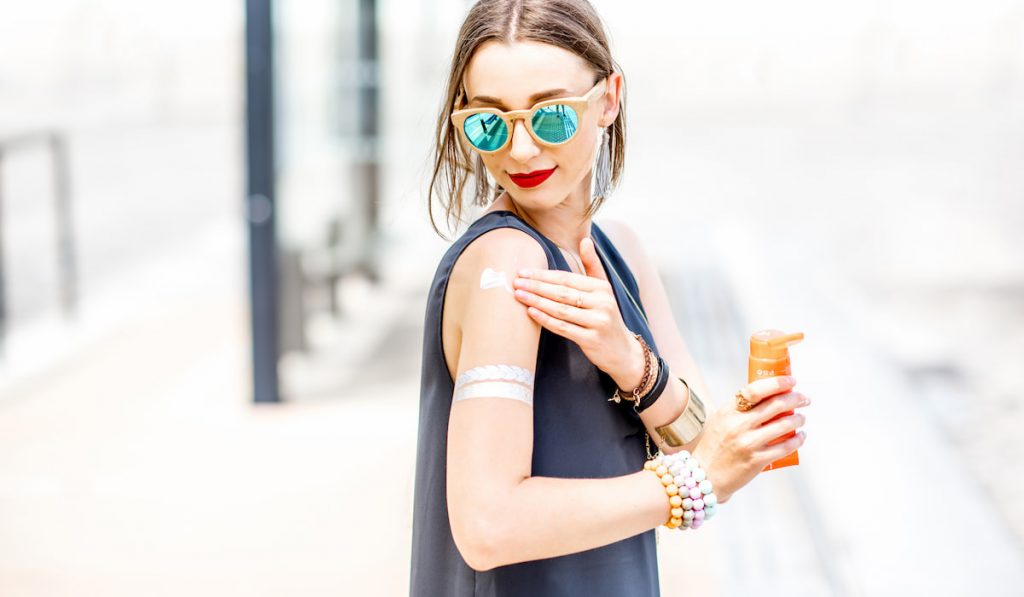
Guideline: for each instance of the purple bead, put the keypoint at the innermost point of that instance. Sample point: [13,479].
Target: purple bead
[698,515]
[698,504]
[696,524]
[695,493]
[690,482]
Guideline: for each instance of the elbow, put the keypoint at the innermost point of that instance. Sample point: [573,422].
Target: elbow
[477,539]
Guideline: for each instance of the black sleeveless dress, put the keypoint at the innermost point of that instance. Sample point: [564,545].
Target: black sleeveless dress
[578,433]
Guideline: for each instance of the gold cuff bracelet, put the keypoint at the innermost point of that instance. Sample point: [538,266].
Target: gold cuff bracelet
[688,425]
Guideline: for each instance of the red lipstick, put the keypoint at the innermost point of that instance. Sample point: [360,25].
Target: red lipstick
[527,180]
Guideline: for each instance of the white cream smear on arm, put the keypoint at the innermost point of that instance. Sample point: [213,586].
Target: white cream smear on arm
[494,279]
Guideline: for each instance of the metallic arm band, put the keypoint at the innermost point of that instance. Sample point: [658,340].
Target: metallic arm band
[689,424]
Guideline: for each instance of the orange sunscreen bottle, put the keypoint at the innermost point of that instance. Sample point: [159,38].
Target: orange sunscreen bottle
[769,357]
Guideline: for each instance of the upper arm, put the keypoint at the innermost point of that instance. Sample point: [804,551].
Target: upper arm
[490,439]
[661,320]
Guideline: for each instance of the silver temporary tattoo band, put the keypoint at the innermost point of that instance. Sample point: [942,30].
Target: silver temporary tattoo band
[495,381]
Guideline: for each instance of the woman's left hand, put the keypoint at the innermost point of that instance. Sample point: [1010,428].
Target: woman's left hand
[584,310]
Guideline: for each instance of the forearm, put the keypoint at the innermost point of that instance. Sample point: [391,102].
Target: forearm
[667,408]
[543,517]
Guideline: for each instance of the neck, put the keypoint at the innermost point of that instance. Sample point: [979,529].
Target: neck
[565,224]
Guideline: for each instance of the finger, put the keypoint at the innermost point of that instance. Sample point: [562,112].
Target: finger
[773,453]
[759,389]
[775,405]
[557,276]
[555,292]
[764,435]
[591,262]
[559,326]
[580,316]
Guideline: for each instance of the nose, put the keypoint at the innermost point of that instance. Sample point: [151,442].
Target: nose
[524,148]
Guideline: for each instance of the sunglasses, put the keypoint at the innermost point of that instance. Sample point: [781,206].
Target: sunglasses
[551,122]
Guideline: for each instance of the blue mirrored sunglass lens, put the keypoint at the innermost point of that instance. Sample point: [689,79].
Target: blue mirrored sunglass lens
[486,131]
[555,124]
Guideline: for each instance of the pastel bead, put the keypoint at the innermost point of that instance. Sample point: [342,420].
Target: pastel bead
[710,500]
[697,524]
[705,487]
[676,522]
[649,465]
[687,503]
[679,480]
[666,479]
[690,482]
[661,470]
[692,464]
[698,515]
[709,511]
[694,493]
[676,469]
[698,504]
[677,512]
[682,454]
[700,475]
[688,515]
[676,501]
[673,490]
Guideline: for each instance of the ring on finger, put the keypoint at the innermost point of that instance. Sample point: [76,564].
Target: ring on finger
[742,404]
[579,300]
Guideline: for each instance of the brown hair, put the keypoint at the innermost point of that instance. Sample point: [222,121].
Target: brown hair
[569,24]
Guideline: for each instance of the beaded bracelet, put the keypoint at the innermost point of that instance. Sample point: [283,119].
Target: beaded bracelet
[690,494]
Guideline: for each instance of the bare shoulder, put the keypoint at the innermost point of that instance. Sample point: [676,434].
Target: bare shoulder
[505,250]
[628,243]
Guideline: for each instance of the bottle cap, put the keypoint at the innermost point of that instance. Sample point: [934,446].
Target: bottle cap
[772,344]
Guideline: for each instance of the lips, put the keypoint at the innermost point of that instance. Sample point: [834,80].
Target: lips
[531,179]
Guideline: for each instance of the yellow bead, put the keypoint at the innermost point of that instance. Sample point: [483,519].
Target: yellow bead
[670,525]
[667,479]
[676,522]
[676,501]
[677,512]
[661,470]
[649,465]
[672,489]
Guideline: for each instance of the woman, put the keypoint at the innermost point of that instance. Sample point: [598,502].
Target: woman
[544,378]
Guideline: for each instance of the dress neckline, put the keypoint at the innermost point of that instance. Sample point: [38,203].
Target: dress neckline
[593,237]
[593,224]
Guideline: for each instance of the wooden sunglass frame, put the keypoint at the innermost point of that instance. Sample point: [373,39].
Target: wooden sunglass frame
[579,104]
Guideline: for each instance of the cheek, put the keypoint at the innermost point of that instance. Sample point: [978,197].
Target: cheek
[580,155]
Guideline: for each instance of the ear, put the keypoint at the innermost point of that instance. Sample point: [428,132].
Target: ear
[609,102]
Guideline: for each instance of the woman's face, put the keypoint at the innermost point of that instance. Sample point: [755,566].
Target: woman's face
[515,77]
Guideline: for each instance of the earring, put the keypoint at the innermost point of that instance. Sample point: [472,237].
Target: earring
[601,182]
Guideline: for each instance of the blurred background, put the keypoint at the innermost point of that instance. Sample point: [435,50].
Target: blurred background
[215,252]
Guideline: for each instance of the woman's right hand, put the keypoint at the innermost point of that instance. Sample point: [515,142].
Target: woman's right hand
[733,447]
